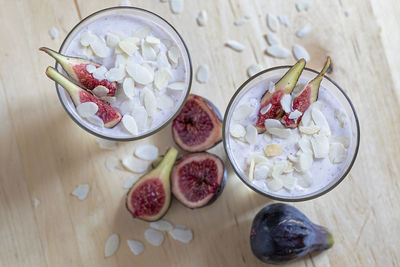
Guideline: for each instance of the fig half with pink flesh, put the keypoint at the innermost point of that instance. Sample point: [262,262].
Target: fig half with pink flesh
[198,126]
[306,97]
[198,179]
[109,115]
[284,86]
[76,69]
[150,197]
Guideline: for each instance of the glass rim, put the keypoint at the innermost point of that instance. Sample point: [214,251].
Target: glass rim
[162,126]
[287,199]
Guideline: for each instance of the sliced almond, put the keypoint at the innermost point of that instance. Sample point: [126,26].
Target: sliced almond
[176,6]
[162,78]
[127,106]
[289,181]
[99,47]
[320,121]
[300,52]
[305,161]
[251,134]
[279,132]
[272,22]
[240,22]
[261,171]
[283,20]
[173,56]
[237,131]
[304,179]
[150,102]
[337,153]
[139,73]
[320,145]
[272,123]
[100,91]
[36,202]
[295,115]
[286,103]
[128,87]
[129,45]
[274,184]
[135,165]
[272,39]
[135,246]
[254,69]
[146,152]
[265,109]
[165,102]
[148,52]
[258,157]
[130,181]
[141,117]
[182,235]
[306,119]
[87,109]
[86,38]
[235,45]
[121,61]
[95,120]
[115,74]
[152,40]
[251,170]
[310,130]
[112,39]
[81,191]
[129,124]
[302,5]
[278,51]
[271,87]
[273,150]
[113,163]
[99,73]
[202,18]
[278,168]
[90,68]
[177,86]
[112,245]
[203,73]
[340,117]
[305,145]
[242,112]
[304,31]
[162,225]
[340,139]
[154,237]
[289,167]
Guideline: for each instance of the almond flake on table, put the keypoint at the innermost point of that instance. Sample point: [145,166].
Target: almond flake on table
[53,32]
[36,202]
[202,74]
[302,5]
[135,165]
[81,191]
[112,245]
[146,152]
[272,22]
[240,22]
[130,181]
[129,124]
[242,112]
[235,45]
[135,246]
[347,12]
[177,86]
[202,18]
[112,40]
[254,69]
[283,20]
[113,163]
[304,31]
[162,225]
[237,131]
[125,3]
[182,235]
[251,134]
[87,109]
[154,237]
[278,51]
[300,52]
[176,6]
[272,38]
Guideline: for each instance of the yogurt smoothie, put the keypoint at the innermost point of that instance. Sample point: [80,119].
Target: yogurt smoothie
[146,61]
[290,162]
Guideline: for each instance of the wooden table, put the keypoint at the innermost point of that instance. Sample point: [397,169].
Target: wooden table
[44,155]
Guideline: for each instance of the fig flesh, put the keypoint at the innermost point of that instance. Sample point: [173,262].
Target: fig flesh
[284,86]
[76,69]
[198,179]
[281,233]
[306,97]
[150,197]
[198,126]
[109,115]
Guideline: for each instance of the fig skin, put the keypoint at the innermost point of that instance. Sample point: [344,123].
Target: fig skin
[281,233]
[160,175]
[175,176]
[284,86]
[186,125]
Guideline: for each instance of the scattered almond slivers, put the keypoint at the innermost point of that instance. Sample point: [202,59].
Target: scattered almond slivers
[112,245]
[251,170]
[337,153]
[273,150]
[242,112]
[237,131]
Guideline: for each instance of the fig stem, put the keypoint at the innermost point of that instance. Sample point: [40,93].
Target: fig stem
[323,239]
[72,88]
[57,56]
[165,166]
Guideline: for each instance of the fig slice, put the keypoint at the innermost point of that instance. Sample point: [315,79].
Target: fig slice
[198,179]
[150,197]
[305,98]
[284,86]
[105,112]
[76,69]
[198,126]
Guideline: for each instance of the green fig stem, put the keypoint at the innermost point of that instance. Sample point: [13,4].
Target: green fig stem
[57,56]
[323,238]
[289,80]
[165,166]
[72,88]
[316,82]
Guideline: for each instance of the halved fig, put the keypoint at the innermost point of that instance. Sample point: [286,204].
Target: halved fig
[198,126]
[150,197]
[306,97]
[284,86]
[76,69]
[198,179]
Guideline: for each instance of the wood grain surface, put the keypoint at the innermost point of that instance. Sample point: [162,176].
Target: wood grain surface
[44,155]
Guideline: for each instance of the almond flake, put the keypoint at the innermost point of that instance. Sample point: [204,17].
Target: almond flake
[278,51]
[99,73]
[289,167]
[152,40]
[112,245]
[90,68]
[279,132]
[278,168]
[99,47]
[86,38]
[237,131]
[251,134]
[81,191]
[289,182]
[176,6]
[87,109]
[272,39]
[272,123]
[274,184]
[115,74]
[95,120]
[272,22]
[254,69]
[265,109]
[150,102]
[340,139]
[310,130]
[147,152]
[261,171]
[304,179]
[129,45]
[240,22]
[36,202]
[320,121]
[306,119]
[100,91]
[106,144]
[273,150]
[165,102]
[341,117]
[130,181]
[271,87]
[162,78]
[135,246]
[139,73]
[182,235]
[129,124]
[162,225]
[113,163]
[148,53]
[173,56]
[320,145]
[286,103]
[135,165]
[258,157]
[202,73]
[295,115]
[305,161]
[337,153]
[112,39]
[300,52]
[242,112]
[125,3]
[53,32]
[202,18]
[283,20]
[305,144]
[162,60]
[154,237]
[302,5]
[127,106]
[142,32]
[177,86]
[140,115]
[304,31]
[251,170]
[235,45]
[128,88]
[121,61]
